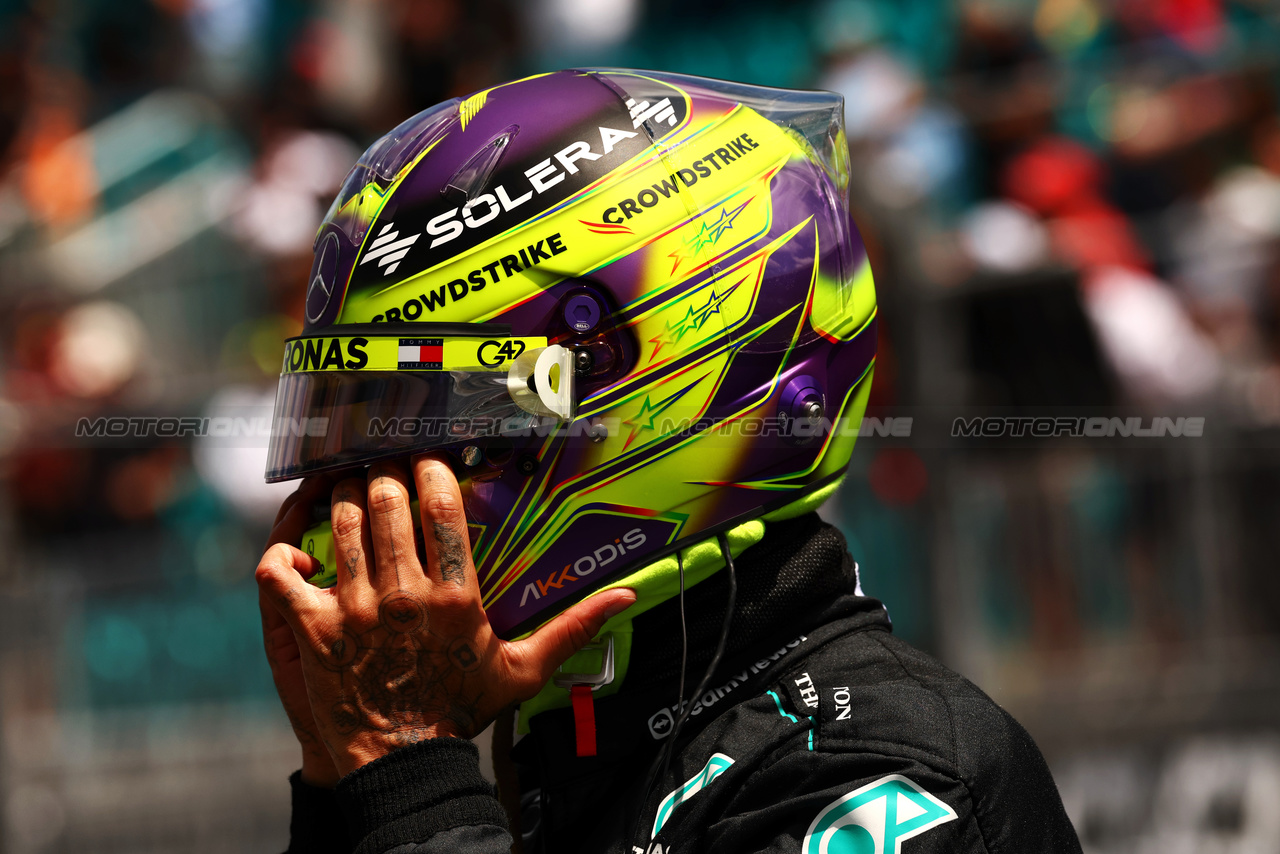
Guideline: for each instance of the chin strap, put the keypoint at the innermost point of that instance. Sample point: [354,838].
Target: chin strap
[584,719]
[581,686]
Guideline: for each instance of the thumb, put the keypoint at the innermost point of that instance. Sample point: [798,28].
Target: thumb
[281,581]
[540,654]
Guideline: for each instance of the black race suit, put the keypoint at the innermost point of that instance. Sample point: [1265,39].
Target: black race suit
[822,733]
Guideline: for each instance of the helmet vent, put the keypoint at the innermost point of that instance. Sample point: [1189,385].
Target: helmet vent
[473,177]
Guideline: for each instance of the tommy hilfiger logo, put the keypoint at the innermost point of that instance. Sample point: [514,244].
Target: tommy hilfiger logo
[659,112]
[420,354]
[387,250]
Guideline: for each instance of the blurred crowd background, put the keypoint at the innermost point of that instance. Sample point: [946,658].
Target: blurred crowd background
[1073,207]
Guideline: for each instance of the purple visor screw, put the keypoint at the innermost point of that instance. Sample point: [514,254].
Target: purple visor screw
[582,313]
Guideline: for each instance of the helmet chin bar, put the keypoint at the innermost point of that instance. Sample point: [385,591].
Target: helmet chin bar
[541,381]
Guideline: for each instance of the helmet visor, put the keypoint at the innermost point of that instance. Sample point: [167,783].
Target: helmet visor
[346,401]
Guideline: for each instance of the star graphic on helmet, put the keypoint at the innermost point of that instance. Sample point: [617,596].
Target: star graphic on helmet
[649,411]
[693,319]
[713,304]
[669,334]
[707,235]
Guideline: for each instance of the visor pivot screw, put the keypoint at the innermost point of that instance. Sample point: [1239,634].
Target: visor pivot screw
[582,313]
[802,406]
[583,362]
[598,432]
[527,464]
[471,455]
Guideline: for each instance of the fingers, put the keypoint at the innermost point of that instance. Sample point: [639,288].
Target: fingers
[446,543]
[271,617]
[538,656]
[280,576]
[277,637]
[391,526]
[352,542]
[294,516]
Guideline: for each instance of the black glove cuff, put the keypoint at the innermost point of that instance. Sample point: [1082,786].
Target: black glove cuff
[415,792]
[316,826]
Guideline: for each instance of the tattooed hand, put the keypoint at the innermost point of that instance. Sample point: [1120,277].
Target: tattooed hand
[400,649]
[281,646]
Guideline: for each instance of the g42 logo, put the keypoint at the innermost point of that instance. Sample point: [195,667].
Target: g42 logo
[496,352]
[876,819]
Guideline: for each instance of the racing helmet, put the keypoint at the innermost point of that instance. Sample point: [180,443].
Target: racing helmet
[631,306]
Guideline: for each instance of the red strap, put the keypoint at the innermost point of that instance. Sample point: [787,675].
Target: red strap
[584,719]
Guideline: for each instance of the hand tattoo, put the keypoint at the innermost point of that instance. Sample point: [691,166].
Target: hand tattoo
[453,554]
[392,683]
[396,654]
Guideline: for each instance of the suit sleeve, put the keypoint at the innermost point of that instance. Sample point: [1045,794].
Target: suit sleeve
[427,798]
[813,803]
[1016,805]
[874,747]
[860,796]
